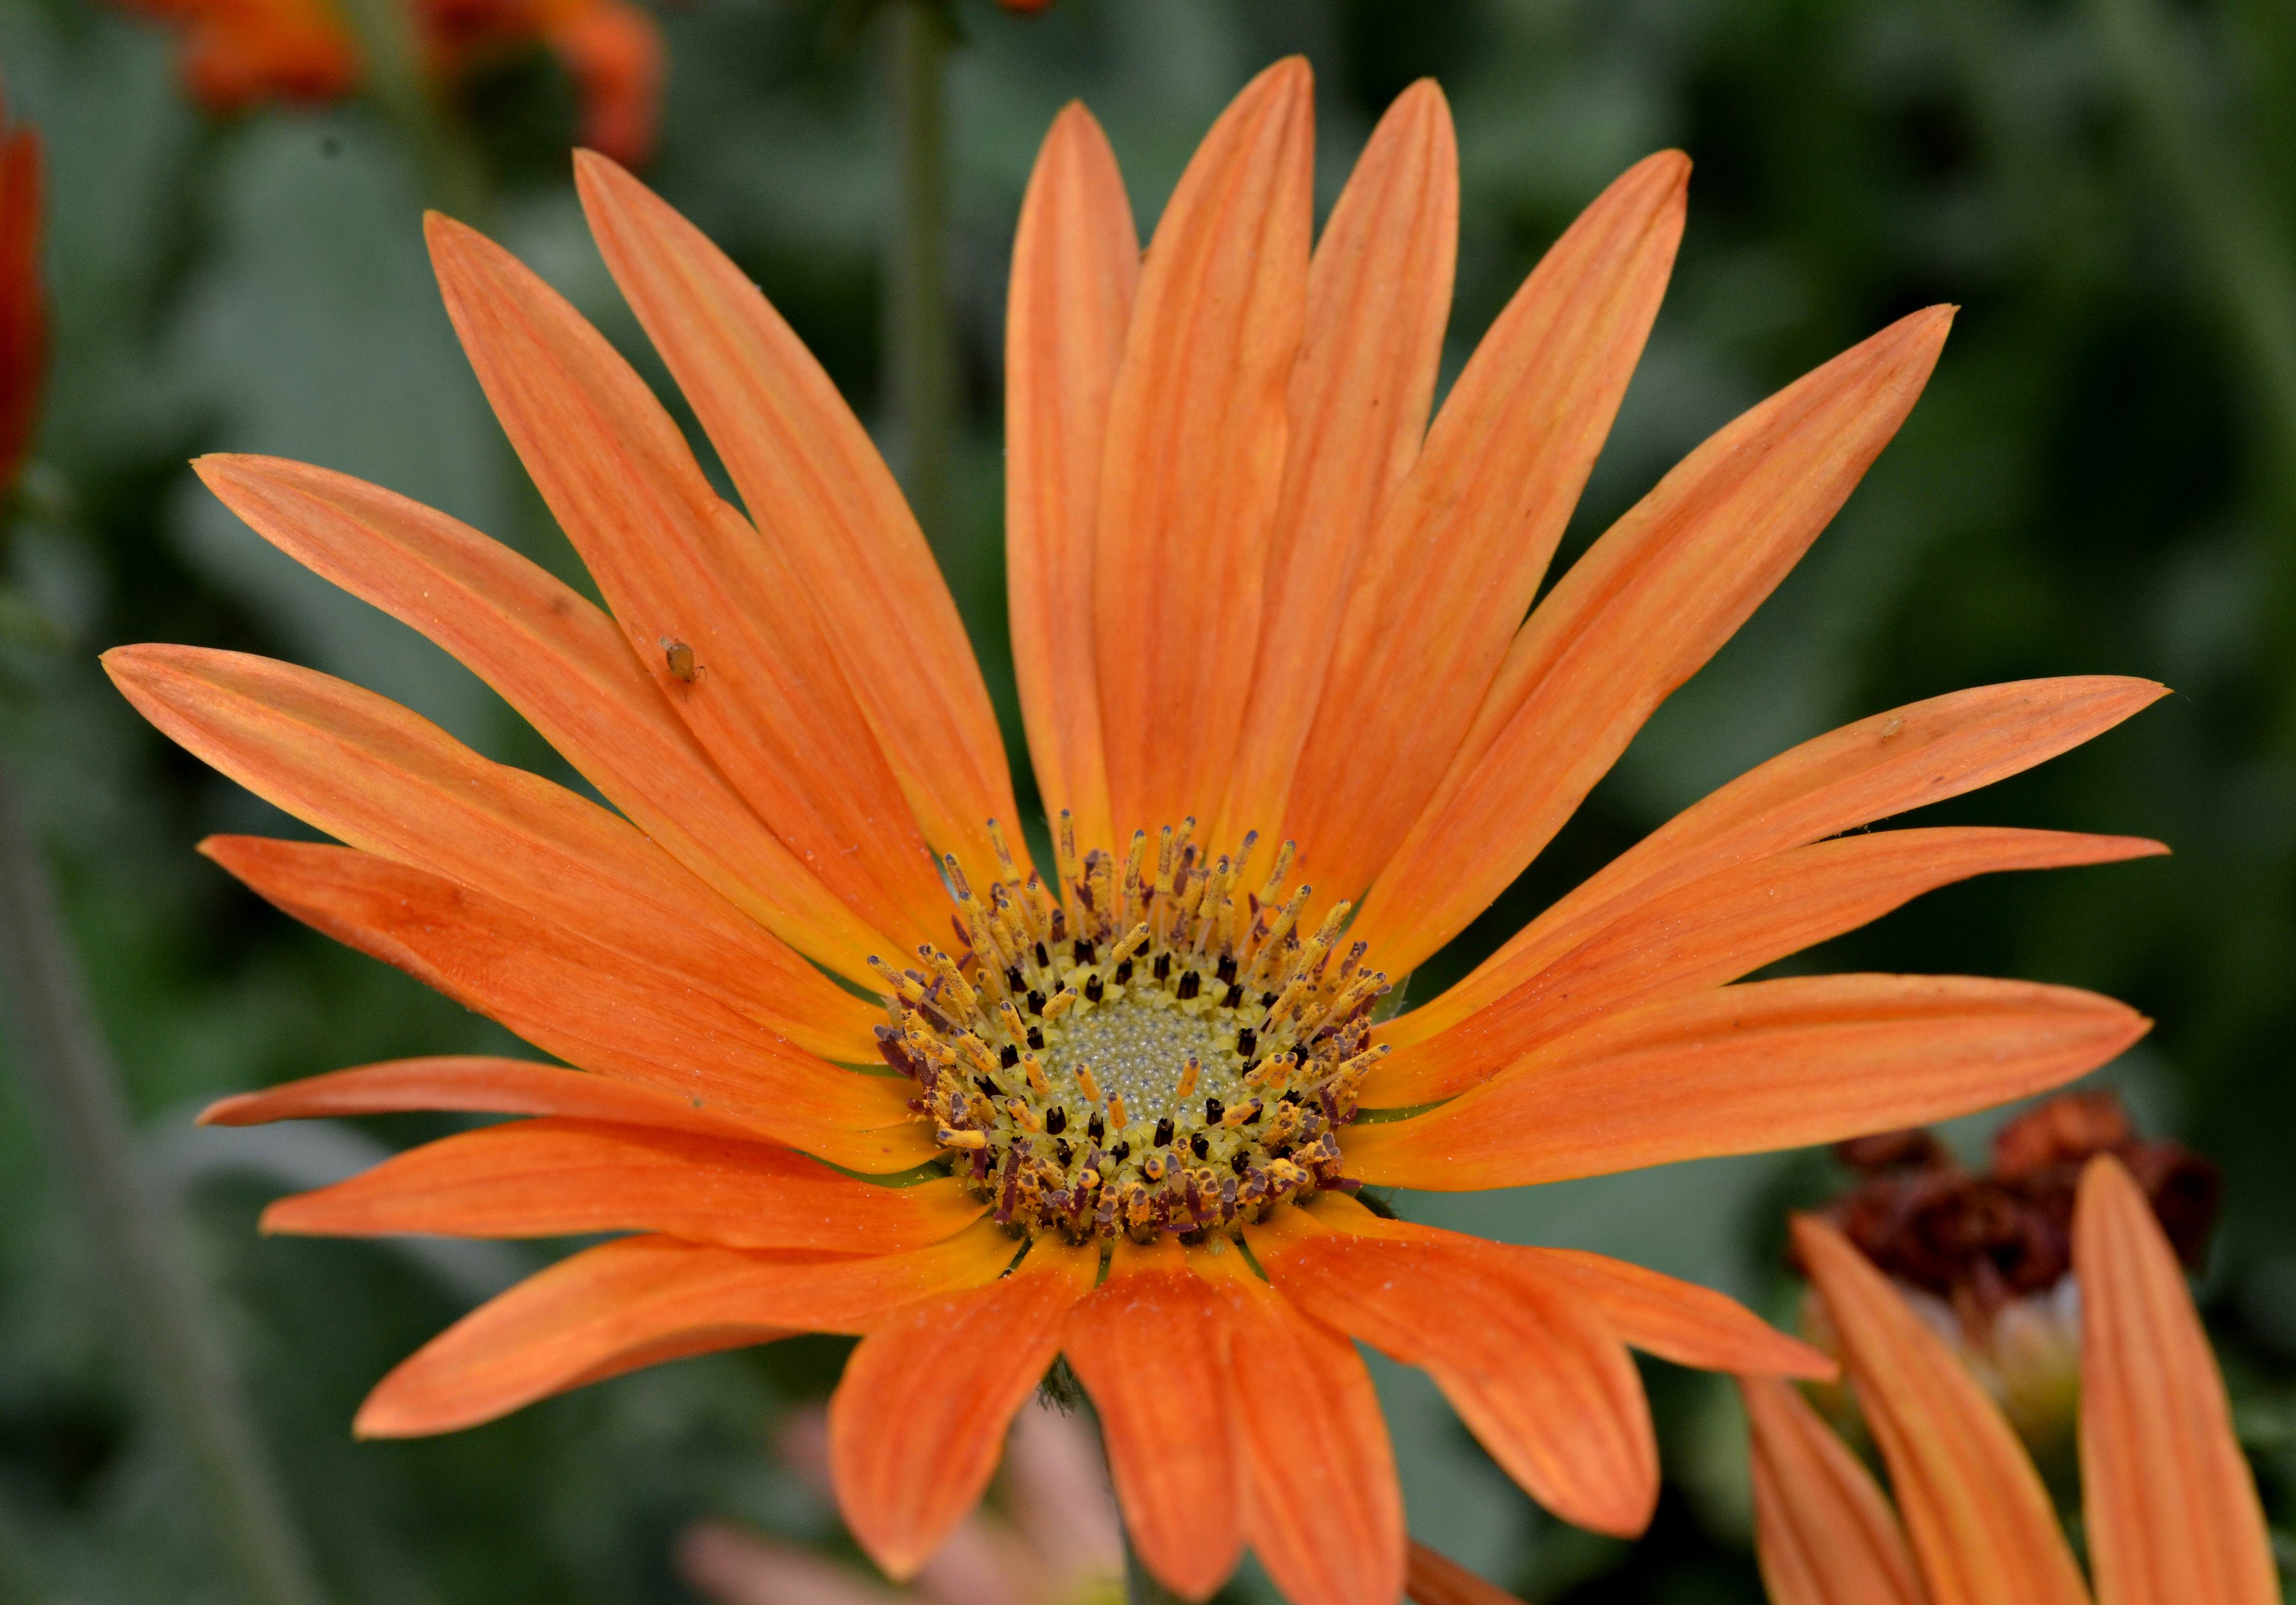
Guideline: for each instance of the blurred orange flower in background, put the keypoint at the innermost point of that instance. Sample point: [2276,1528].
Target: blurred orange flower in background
[1133,1093]
[23,299]
[2172,1513]
[240,54]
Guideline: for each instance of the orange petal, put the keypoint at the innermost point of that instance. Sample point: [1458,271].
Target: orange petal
[1076,267]
[2172,1507]
[837,540]
[1746,1069]
[1147,1346]
[1680,1321]
[561,1178]
[363,769]
[1434,1578]
[918,1421]
[1322,1506]
[1533,1370]
[1379,297]
[1981,1525]
[1909,757]
[562,664]
[680,568]
[1456,559]
[1716,929]
[1195,454]
[473,1085]
[1639,614]
[641,1300]
[1823,1531]
[605,1010]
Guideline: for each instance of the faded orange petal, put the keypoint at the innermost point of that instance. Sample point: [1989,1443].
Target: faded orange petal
[474,1084]
[918,1421]
[834,541]
[1911,756]
[680,568]
[1745,1069]
[606,1010]
[1646,608]
[1535,1373]
[1680,1321]
[1076,268]
[387,781]
[1823,1531]
[1322,1506]
[1147,1345]
[1196,434]
[1379,299]
[1457,557]
[1714,930]
[640,1300]
[1981,1525]
[2173,1515]
[562,1178]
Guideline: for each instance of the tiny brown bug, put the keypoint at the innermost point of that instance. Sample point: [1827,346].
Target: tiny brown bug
[680,657]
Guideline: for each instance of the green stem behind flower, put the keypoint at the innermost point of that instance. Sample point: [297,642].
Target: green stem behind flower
[169,1334]
[920,354]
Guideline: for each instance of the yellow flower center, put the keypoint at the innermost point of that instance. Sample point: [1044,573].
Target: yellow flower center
[1159,1050]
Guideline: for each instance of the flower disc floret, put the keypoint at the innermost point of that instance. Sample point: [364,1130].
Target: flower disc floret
[1161,1050]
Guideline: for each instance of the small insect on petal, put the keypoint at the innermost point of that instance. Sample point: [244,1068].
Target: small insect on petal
[679,657]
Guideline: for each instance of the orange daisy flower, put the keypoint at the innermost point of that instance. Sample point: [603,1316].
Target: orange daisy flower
[1120,1102]
[2172,1514]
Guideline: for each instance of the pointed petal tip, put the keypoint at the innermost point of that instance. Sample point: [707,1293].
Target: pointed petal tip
[223,1110]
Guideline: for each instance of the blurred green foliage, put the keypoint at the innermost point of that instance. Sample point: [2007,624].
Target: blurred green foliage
[2101,478]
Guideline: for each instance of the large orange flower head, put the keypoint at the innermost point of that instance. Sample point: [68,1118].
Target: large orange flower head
[1293,732]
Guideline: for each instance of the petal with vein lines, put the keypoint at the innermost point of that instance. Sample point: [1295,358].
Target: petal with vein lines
[555,657]
[2172,1507]
[1322,1507]
[1746,1069]
[1457,557]
[1681,1321]
[1980,1524]
[589,1006]
[679,566]
[836,535]
[1534,1371]
[1714,930]
[1823,1531]
[641,1300]
[1195,455]
[562,1178]
[1639,614]
[1076,267]
[1909,757]
[1321,1500]
[918,1421]
[1147,1346]
[1379,299]
[363,769]
[474,1084]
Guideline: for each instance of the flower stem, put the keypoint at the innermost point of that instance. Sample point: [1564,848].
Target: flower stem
[453,178]
[921,357]
[169,1334]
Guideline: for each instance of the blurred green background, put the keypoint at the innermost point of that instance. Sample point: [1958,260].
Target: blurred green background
[2101,479]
